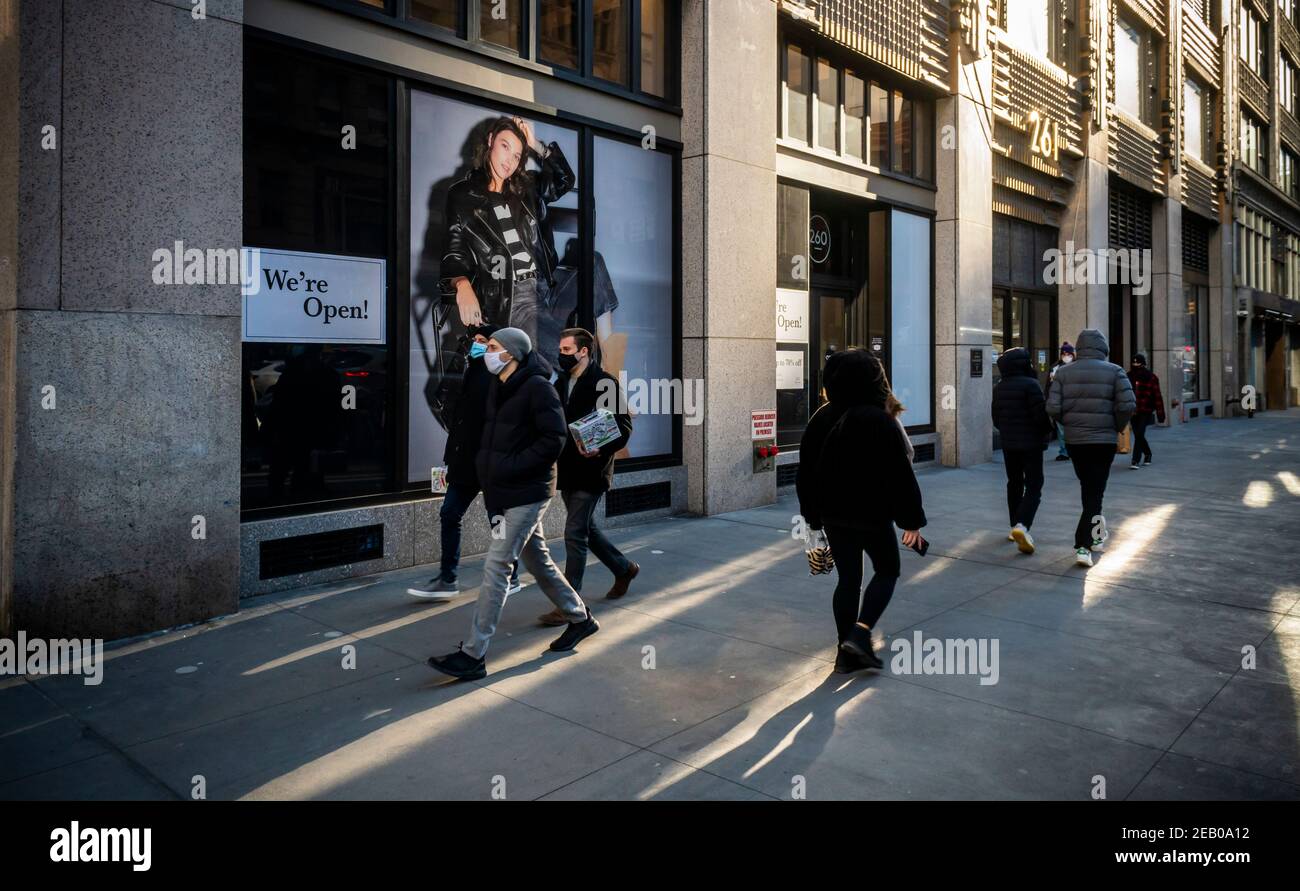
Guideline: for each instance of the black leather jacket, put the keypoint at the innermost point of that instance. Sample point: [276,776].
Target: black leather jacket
[473,239]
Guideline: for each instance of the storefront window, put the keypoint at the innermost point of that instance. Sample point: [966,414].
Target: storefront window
[434,12]
[633,276]
[792,313]
[317,417]
[1195,339]
[654,47]
[828,105]
[609,31]
[798,92]
[557,33]
[910,329]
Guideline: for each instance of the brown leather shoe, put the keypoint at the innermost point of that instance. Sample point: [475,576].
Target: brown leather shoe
[554,617]
[621,582]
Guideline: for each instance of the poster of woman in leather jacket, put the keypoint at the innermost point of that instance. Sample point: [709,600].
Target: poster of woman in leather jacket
[494,239]
[491,194]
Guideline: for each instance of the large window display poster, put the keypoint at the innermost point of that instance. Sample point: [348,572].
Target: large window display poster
[519,252]
[453,212]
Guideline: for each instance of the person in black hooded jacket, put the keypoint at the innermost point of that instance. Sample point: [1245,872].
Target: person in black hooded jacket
[1020,414]
[523,433]
[856,481]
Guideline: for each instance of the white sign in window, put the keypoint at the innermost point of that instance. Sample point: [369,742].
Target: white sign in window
[789,370]
[297,297]
[791,316]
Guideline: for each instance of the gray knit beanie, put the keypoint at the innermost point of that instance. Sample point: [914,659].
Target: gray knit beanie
[515,340]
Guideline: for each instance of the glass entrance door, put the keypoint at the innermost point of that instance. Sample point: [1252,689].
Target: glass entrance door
[1029,321]
[832,333]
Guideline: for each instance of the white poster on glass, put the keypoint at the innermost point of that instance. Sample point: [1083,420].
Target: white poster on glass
[789,370]
[297,297]
[791,316]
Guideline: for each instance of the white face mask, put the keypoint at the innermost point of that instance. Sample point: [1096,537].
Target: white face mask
[494,362]
[1067,359]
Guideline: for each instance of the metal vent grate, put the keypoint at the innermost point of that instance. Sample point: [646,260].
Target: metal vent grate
[786,473]
[320,550]
[1196,243]
[1130,218]
[634,499]
[924,452]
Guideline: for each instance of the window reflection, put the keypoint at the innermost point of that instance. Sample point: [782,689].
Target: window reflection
[609,35]
[654,47]
[500,22]
[557,33]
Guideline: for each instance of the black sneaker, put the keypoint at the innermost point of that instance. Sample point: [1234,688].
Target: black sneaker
[576,632]
[847,663]
[460,665]
[858,643]
[1062,457]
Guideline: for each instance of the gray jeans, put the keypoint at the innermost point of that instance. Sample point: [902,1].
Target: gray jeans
[522,539]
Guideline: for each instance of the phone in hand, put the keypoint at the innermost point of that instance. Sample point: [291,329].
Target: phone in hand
[921,545]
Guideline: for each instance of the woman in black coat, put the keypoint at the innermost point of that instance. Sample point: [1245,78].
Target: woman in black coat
[1020,414]
[856,481]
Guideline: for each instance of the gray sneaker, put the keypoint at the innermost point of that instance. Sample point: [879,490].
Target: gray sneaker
[437,590]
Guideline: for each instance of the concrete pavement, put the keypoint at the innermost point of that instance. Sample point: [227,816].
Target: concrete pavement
[1131,672]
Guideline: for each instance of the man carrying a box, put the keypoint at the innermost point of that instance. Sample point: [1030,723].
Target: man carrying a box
[523,433]
[585,474]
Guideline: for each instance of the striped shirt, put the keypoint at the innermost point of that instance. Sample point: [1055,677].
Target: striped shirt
[521,261]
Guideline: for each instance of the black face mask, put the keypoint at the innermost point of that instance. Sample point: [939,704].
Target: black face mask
[568,362]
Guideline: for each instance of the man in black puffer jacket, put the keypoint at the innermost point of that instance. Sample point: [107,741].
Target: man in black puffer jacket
[523,433]
[1020,414]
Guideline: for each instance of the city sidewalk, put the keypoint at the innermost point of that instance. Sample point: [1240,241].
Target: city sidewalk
[1128,676]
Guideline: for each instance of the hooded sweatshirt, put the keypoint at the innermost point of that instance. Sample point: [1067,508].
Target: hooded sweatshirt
[1091,397]
[853,464]
[1019,410]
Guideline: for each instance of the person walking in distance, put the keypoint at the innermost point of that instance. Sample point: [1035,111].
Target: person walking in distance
[1093,400]
[856,482]
[1150,406]
[523,434]
[462,479]
[1066,357]
[584,477]
[1020,415]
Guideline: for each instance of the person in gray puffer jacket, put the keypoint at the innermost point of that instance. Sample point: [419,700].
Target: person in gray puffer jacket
[1092,398]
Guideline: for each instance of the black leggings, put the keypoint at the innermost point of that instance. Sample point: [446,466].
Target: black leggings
[847,547]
